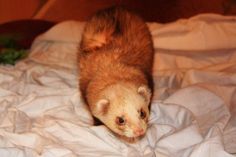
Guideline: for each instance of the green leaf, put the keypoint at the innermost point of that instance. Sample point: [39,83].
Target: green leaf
[10,55]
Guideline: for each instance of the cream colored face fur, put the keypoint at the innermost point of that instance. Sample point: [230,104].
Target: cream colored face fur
[124,109]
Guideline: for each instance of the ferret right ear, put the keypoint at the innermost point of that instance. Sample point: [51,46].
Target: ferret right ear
[102,106]
[145,92]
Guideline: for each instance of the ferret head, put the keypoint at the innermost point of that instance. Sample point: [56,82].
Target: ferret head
[124,109]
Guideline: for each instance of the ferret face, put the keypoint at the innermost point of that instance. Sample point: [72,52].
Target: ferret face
[124,110]
[128,119]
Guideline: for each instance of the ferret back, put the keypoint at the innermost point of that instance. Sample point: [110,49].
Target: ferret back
[113,25]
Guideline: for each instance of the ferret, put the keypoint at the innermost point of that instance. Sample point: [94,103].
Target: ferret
[115,63]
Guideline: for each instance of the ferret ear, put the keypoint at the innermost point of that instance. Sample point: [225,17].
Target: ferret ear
[145,92]
[102,106]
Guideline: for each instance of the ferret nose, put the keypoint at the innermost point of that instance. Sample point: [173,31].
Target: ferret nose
[139,132]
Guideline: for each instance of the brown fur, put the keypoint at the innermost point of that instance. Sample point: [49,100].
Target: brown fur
[116,47]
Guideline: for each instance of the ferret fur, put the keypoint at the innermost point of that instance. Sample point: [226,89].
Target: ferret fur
[115,64]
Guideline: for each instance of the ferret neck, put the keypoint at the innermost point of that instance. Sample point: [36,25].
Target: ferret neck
[125,75]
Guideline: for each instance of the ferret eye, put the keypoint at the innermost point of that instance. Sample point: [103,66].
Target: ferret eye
[142,114]
[120,121]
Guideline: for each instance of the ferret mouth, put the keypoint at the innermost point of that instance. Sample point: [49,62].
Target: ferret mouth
[137,136]
[137,133]
[131,139]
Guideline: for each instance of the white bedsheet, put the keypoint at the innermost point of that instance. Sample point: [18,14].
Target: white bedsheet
[193,113]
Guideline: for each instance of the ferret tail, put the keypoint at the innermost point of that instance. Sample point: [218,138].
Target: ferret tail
[101,28]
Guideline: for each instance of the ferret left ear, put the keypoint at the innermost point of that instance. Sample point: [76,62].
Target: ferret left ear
[102,106]
[145,92]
